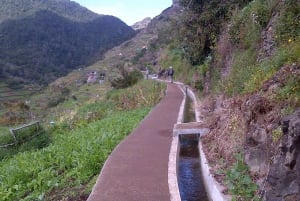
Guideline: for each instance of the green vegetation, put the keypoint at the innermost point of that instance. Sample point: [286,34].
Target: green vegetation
[34,141]
[144,94]
[217,47]
[5,136]
[58,45]
[288,25]
[70,10]
[127,79]
[75,155]
[239,181]
[201,25]
[174,57]
[254,48]
[242,67]
[277,134]
[248,75]
[71,154]
[246,25]
[14,112]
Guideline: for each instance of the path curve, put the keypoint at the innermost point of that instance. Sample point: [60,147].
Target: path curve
[137,170]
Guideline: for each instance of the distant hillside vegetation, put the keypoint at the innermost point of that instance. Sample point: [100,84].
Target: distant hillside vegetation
[12,9]
[42,46]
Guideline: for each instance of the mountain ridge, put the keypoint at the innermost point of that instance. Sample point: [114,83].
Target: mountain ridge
[14,9]
[214,48]
[40,45]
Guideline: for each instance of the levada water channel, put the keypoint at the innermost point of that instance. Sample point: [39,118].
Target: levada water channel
[190,181]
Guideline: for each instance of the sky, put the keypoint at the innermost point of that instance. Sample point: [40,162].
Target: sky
[129,11]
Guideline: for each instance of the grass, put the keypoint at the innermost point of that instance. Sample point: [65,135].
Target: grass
[5,136]
[286,55]
[28,140]
[69,160]
[243,62]
[73,156]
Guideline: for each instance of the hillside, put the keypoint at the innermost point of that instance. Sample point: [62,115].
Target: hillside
[242,59]
[43,40]
[14,9]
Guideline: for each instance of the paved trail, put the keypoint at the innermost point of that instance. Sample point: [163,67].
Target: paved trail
[137,170]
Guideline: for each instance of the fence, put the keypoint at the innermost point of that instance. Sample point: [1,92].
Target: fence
[34,128]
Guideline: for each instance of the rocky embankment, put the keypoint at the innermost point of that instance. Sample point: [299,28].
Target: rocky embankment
[283,181]
[257,126]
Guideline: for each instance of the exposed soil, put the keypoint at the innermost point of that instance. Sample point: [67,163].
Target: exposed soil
[68,194]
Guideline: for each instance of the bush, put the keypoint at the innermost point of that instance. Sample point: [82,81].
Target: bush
[126,79]
[242,68]
[291,91]
[286,55]
[288,25]
[146,93]
[54,101]
[246,26]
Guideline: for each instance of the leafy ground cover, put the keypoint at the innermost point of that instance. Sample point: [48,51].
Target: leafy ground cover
[79,146]
[72,160]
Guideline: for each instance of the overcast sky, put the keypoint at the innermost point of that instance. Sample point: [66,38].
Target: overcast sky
[129,11]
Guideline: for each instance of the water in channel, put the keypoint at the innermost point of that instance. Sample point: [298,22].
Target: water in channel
[190,180]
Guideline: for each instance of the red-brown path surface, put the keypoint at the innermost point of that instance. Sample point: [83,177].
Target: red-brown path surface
[137,170]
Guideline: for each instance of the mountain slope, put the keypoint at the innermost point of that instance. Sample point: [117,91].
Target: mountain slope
[243,58]
[13,9]
[41,45]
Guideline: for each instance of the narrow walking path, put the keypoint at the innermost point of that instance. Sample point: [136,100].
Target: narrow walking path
[137,170]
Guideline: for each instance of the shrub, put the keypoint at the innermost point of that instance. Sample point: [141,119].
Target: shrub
[54,101]
[146,93]
[291,91]
[286,55]
[288,25]
[242,68]
[126,79]
[246,25]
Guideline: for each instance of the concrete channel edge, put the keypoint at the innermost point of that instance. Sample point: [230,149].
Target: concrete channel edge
[173,156]
[213,188]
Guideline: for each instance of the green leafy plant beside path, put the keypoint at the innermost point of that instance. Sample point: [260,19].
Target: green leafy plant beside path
[79,146]
[241,187]
[73,160]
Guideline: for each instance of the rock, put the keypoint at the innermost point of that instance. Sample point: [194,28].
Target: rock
[142,24]
[176,3]
[268,42]
[260,135]
[283,181]
[256,159]
[255,106]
